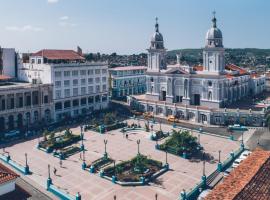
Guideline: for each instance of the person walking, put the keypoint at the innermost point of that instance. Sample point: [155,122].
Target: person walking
[54,171]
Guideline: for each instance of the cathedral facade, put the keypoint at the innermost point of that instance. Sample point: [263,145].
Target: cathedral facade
[173,89]
[212,85]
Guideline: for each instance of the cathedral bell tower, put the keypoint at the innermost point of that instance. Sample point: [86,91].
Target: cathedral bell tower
[156,52]
[213,53]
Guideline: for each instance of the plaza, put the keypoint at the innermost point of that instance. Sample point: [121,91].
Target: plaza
[183,173]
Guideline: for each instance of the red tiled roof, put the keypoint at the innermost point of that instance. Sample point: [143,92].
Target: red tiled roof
[59,54]
[233,67]
[6,174]
[234,184]
[4,77]
[198,68]
[128,68]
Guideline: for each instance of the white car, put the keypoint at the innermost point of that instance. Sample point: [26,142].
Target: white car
[236,162]
[245,154]
[227,172]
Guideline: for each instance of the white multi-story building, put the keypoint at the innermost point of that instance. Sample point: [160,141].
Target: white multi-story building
[79,87]
[8,62]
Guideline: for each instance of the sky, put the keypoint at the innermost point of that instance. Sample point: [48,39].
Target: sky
[126,26]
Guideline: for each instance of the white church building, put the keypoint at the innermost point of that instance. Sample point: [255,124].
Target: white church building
[196,92]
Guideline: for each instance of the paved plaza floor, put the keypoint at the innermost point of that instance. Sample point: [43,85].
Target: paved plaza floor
[183,174]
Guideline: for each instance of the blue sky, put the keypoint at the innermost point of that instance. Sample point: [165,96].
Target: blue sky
[125,26]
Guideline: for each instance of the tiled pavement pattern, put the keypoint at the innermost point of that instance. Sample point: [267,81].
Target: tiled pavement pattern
[71,178]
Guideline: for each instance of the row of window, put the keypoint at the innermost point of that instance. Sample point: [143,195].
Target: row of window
[128,72]
[78,102]
[67,92]
[81,72]
[75,82]
[125,82]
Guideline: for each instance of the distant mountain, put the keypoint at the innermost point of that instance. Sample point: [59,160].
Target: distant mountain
[250,57]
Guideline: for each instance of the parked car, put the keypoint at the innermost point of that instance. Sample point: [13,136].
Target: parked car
[245,154]
[227,171]
[172,118]
[236,162]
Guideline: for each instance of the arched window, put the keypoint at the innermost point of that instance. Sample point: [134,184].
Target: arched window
[210,83]
[152,79]
[209,95]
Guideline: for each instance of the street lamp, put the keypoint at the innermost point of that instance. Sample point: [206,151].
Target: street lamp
[166,154]
[219,156]
[105,143]
[114,197]
[156,196]
[26,164]
[199,139]
[203,164]
[49,171]
[83,155]
[105,153]
[114,170]
[138,143]
[242,143]
[160,124]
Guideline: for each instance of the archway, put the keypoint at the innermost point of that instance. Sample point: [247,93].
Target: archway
[11,122]
[20,121]
[2,124]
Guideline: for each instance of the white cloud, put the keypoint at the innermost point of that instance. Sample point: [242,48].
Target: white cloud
[52,1]
[67,24]
[64,18]
[24,28]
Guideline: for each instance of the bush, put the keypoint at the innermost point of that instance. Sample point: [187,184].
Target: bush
[181,141]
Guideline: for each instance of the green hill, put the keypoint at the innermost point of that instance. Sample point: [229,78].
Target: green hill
[249,57]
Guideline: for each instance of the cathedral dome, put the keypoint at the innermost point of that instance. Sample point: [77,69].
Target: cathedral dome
[214,35]
[157,38]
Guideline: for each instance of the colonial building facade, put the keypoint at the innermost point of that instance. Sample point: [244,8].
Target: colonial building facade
[79,87]
[24,104]
[202,89]
[129,80]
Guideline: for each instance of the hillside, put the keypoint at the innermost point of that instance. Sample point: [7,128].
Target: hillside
[250,57]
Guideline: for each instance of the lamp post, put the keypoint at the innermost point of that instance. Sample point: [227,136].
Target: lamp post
[199,139]
[160,125]
[204,176]
[114,168]
[156,196]
[49,171]
[219,167]
[105,153]
[114,197]
[49,180]
[82,145]
[83,164]
[26,164]
[166,158]
[242,142]
[138,143]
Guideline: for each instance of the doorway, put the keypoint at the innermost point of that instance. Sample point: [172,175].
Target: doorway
[197,99]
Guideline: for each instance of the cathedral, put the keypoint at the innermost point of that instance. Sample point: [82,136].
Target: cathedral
[213,84]
[172,89]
